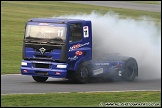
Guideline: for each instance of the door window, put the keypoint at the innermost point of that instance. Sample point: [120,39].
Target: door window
[75,32]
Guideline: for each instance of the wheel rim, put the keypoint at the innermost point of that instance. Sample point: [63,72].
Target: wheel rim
[84,72]
[130,71]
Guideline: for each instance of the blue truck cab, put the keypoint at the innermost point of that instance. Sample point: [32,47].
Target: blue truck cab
[62,48]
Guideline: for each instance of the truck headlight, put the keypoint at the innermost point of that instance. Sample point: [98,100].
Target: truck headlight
[61,66]
[24,63]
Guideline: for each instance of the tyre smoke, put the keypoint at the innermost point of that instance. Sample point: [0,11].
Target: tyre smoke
[140,39]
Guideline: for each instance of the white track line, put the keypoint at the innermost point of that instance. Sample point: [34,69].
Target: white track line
[86,92]
[9,74]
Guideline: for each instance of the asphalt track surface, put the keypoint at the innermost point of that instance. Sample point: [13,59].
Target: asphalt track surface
[11,84]
[25,84]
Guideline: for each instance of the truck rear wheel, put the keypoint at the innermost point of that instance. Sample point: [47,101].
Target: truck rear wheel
[39,79]
[130,70]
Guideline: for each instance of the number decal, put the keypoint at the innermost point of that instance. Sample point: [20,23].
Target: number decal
[86,32]
[60,33]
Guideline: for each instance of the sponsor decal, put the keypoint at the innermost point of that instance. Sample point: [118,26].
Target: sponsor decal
[101,63]
[78,53]
[77,46]
[74,47]
[58,73]
[43,24]
[98,71]
[73,58]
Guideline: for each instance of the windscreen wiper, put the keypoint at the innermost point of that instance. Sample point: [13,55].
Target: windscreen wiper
[57,41]
[54,41]
[30,41]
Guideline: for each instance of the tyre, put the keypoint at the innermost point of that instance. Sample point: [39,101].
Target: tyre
[39,79]
[130,70]
[82,74]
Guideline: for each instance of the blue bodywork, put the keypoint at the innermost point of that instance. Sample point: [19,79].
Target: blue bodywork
[57,59]
[46,64]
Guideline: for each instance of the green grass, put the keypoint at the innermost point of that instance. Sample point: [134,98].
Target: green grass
[146,2]
[14,15]
[78,99]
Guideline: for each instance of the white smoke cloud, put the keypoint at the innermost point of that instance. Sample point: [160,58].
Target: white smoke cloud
[140,39]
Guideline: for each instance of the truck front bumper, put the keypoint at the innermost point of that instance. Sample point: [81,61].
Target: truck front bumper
[51,69]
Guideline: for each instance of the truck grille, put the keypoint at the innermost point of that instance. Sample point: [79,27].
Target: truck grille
[41,65]
[43,56]
[47,50]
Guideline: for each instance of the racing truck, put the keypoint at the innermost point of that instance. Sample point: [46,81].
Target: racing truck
[62,48]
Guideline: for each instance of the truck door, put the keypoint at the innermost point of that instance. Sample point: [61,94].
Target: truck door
[80,43]
[75,40]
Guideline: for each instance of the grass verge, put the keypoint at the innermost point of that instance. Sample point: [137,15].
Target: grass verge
[82,99]
[146,2]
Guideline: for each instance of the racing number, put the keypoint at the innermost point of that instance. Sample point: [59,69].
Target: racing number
[60,33]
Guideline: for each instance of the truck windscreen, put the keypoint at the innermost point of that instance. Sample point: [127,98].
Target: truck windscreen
[45,31]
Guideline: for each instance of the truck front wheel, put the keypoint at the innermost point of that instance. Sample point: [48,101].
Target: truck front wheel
[81,76]
[39,79]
